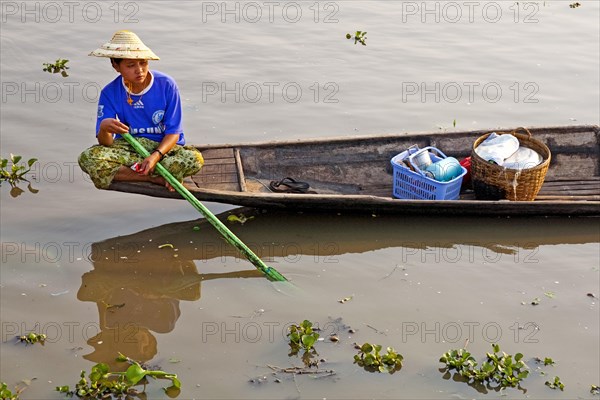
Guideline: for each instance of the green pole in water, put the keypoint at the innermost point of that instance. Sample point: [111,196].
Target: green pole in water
[233,240]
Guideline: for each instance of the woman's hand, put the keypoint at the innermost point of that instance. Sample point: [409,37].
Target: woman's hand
[147,166]
[168,142]
[109,126]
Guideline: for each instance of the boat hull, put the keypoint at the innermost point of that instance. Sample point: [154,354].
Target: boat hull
[355,175]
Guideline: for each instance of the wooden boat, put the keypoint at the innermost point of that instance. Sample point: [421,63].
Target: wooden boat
[355,174]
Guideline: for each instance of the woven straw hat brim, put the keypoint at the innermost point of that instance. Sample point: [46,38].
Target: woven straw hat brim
[125,44]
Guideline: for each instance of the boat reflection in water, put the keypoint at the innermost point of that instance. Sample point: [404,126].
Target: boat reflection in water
[137,282]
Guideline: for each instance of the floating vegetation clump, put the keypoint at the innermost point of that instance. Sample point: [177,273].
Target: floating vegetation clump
[359,37]
[370,358]
[6,393]
[303,336]
[17,171]
[500,370]
[556,384]
[59,66]
[101,383]
[32,338]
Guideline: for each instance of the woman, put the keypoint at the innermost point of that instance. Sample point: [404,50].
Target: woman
[146,104]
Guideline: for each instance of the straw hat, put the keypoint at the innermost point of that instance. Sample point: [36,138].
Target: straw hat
[125,44]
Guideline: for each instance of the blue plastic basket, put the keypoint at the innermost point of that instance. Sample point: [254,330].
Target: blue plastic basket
[415,186]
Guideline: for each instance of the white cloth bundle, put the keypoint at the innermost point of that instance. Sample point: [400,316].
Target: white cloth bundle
[522,159]
[505,151]
[497,148]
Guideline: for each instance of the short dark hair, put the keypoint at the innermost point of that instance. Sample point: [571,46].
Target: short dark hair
[116,61]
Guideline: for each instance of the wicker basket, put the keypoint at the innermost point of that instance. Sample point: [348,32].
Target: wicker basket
[493,182]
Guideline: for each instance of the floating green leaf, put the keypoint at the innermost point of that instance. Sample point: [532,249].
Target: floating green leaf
[135,373]
[308,341]
[366,348]
[99,372]
[15,159]
[241,219]
[175,381]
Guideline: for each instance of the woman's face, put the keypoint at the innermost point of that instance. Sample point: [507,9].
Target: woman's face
[133,71]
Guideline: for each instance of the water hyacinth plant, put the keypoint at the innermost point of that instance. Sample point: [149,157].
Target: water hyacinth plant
[104,384]
[16,173]
[303,335]
[556,384]
[369,356]
[32,338]
[359,37]
[6,393]
[497,371]
[59,66]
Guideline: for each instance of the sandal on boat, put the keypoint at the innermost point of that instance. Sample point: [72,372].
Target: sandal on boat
[289,185]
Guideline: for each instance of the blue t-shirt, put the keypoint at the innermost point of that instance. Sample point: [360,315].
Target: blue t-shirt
[154,112]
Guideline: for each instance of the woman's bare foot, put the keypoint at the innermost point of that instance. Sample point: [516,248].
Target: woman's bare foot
[159,180]
[127,175]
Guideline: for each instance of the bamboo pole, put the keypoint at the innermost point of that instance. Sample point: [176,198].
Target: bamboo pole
[229,236]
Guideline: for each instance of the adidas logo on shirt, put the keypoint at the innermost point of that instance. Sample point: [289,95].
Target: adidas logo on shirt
[138,104]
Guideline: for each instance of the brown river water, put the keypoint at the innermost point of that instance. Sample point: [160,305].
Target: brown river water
[84,266]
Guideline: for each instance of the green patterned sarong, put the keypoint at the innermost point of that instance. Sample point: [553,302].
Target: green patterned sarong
[101,163]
